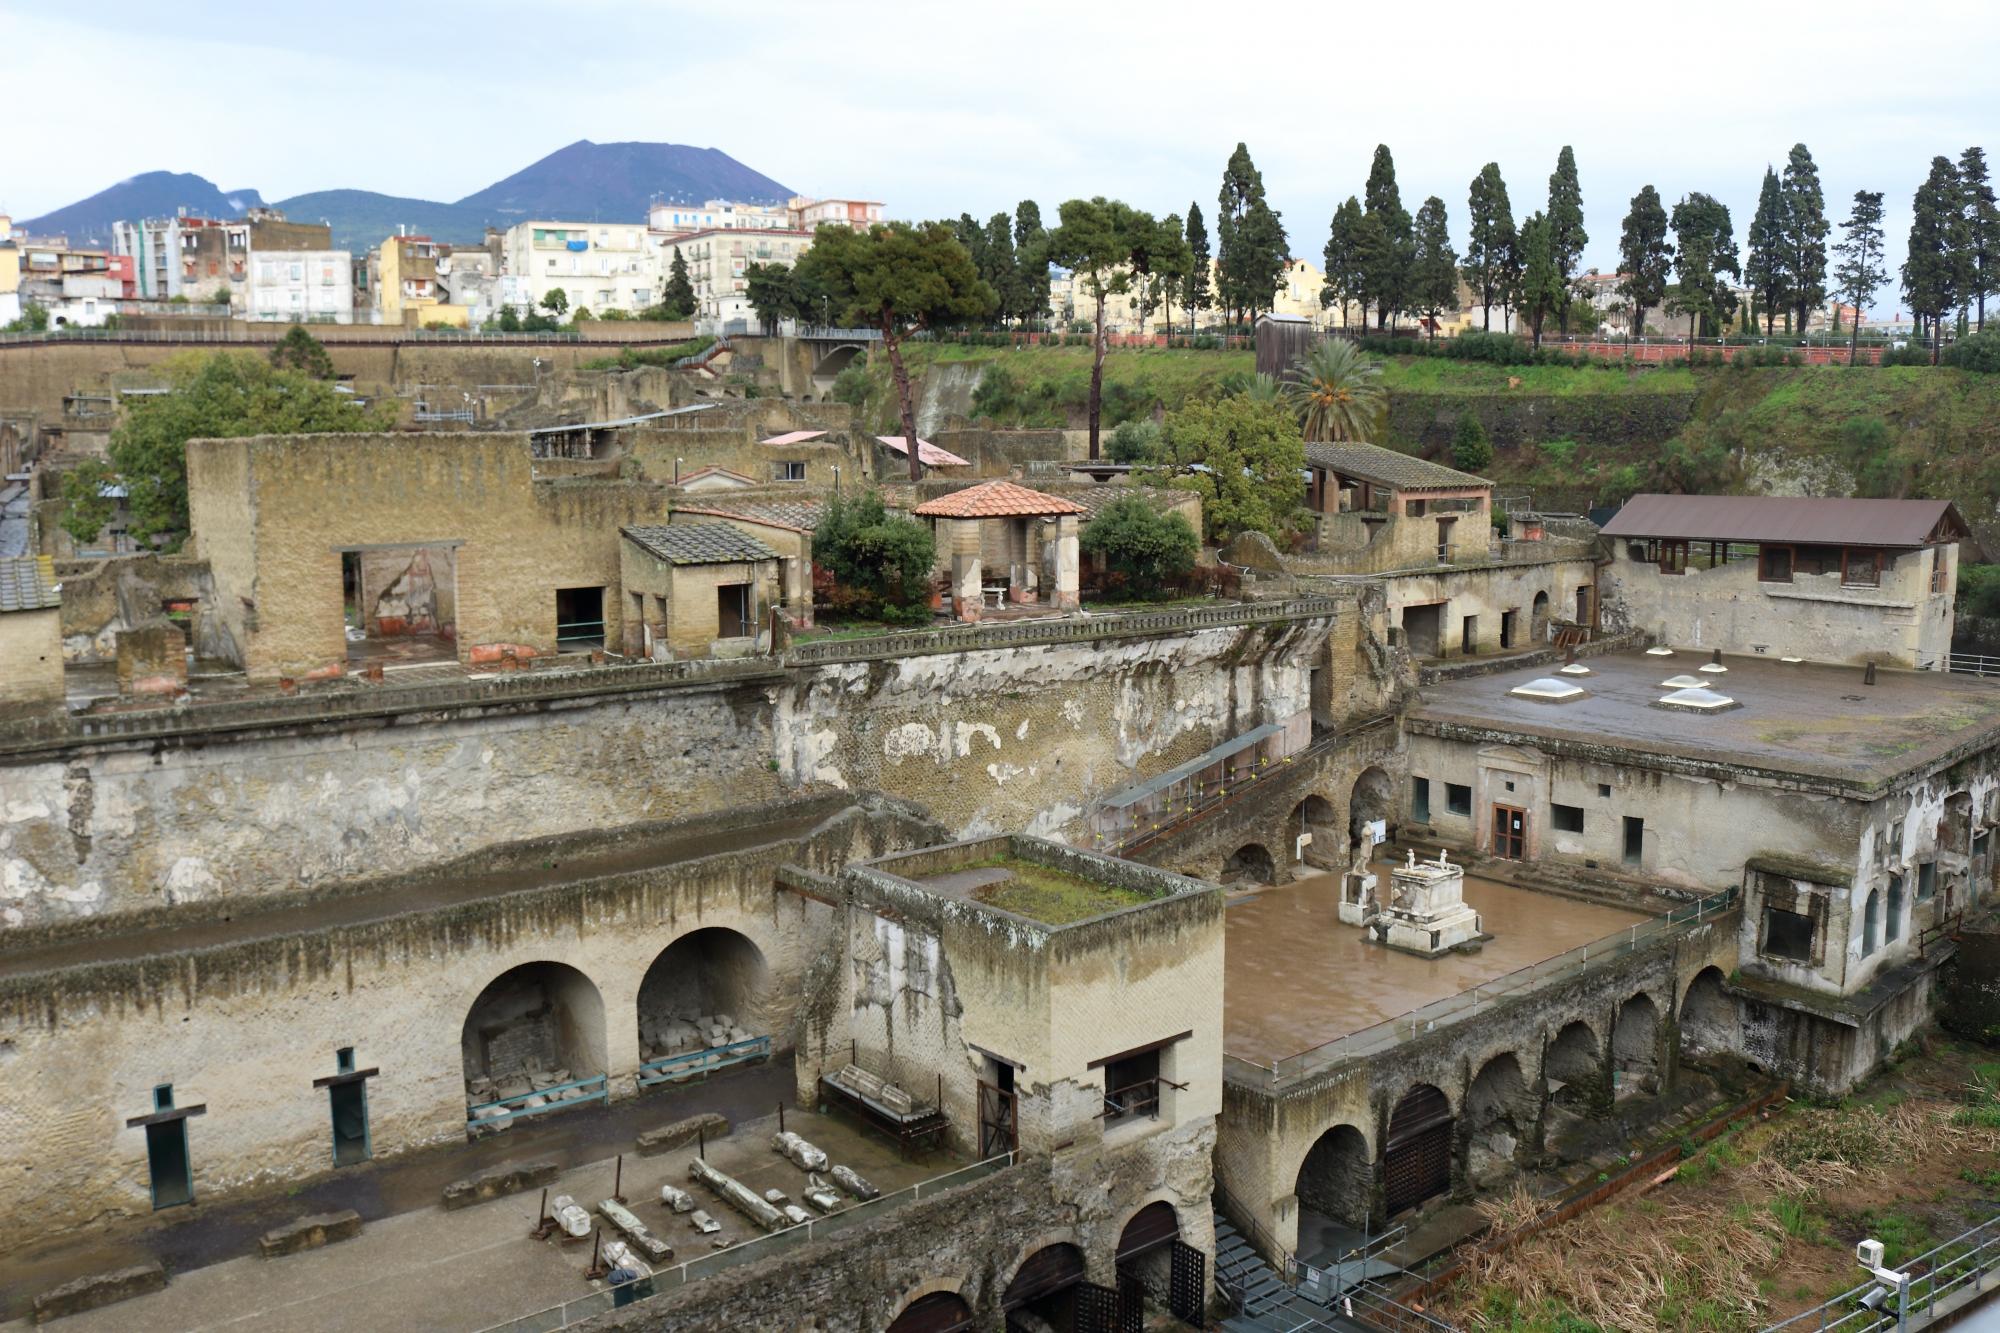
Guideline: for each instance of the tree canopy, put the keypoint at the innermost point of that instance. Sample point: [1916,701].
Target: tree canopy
[1388,244]
[881,562]
[1243,455]
[1766,269]
[1336,389]
[1982,230]
[1148,551]
[1644,256]
[1489,242]
[1195,292]
[1705,251]
[1541,289]
[1109,245]
[1250,240]
[1804,235]
[213,397]
[1345,280]
[1935,269]
[1861,270]
[1433,266]
[1566,234]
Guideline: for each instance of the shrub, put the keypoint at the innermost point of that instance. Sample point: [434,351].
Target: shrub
[1136,441]
[850,386]
[1979,590]
[1909,354]
[1979,353]
[1147,550]
[880,562]
[1469,447]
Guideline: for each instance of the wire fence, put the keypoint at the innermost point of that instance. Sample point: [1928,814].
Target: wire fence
[675,1276]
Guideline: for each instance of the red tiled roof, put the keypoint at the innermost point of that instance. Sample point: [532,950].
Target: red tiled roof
[996,499]
[927,453]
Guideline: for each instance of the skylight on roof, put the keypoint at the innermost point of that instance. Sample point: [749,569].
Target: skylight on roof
[1696,700]
[1661,651]
[1548,690]
[1683,682]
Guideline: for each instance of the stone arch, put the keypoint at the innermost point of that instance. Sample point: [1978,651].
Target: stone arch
[1417,1149]
[714,974]
[1711,1023]
[837,359]
[940,1310]
[539,1023]
[1538,619]
[1145,1247]
[1335,1183]
[1635,1046]
[1499,1118]
[1871,923]
[1042,1280]
[1373,797]
[1573,1064]
[1250,863]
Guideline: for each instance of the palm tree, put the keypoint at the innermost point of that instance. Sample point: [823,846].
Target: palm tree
[1264,389]
[1338,392]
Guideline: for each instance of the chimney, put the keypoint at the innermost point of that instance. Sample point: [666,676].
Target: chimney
[1868,676]
[1717,657]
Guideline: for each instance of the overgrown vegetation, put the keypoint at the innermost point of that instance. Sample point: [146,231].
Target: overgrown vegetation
[1146,553]
[1243,457]
[630,358]
[880,562]
[300,351]
[1053,897]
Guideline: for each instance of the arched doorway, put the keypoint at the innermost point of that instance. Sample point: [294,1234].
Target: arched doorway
[1710,1022]
[1499,1114]
[1316,819]
[1416,1158]
[706,991]
[1574,1066]
[937,1312]
[1635,1046]
[533,1040]
[1156,1267]
[1045,1286]
[1538,621]
[1249,864]
[1333,1189]
[1871,923]
[1371,800]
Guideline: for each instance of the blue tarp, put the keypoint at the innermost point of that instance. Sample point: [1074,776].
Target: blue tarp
[578,245]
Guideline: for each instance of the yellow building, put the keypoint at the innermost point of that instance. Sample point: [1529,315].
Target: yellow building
[407,291]
[1298,294]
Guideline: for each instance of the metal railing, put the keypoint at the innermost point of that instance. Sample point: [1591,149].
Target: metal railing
[823,333]
[1941,1281]
[597,1090]
[689,1064]
[1057,629]
[1408,1026]
[571,1313]
[1963,664]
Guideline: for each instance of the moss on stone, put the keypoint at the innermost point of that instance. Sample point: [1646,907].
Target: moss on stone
[1053,897]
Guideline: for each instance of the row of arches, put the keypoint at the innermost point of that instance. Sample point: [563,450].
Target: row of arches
[1050,1285]
[1427,1148]
[546,1018]
[1371,799]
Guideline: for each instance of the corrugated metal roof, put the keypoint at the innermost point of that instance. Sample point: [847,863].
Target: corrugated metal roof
[1787,518]
[28,583]
[996,499]
[700,544]
[794,437]
[927,453]
[1387,467]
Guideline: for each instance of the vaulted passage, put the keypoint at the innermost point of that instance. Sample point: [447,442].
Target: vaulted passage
[1333,1192]
[1416,1160]
[707,989]
[1500,1113]
[1635,1047]
[1249,864]
[1044,1287]
[939,1312]
[1574,1066]
[536,1027]
[1710,1022]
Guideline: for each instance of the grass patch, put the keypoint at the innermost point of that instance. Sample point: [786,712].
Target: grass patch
[1052,897]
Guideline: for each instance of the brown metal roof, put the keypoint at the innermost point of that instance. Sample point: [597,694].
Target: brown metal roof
[1788,518]
[1387,467]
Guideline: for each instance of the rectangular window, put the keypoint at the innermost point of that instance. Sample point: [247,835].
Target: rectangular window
[1940,573]
[1774,564]
[790,471]
[1458,798]
[1635,840]
[1468,635]
[1860,569]
[1420,800]
[1787,935]
[1566,818]
[1132,1089]
[1926,880]
[1604,791]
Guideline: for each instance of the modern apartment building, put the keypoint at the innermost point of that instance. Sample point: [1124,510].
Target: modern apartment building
[598,265]
[718,260]
[717,215]
[809,213]
[201,259]
[312,286]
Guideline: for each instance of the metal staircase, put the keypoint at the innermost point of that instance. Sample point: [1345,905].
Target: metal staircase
[1262,1300]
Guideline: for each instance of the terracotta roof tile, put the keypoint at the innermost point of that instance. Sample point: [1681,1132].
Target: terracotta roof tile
[700,544]
[28,583]
[996,499]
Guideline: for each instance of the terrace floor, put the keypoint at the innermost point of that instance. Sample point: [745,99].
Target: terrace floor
[1298,978]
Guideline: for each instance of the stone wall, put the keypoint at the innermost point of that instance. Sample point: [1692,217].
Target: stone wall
[1427,420]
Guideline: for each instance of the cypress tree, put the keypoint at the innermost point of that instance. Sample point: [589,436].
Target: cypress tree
[1196,296]
[1805,234]
[1434,269]
[1489,240]
[1982,229]
[1705,250]
[1934,276]
[1541,285]
[1031,262]
[1644,255]
[998,267]
[1566,234]
[1392,255]
[1765,270]
[1250,240]
[1860,272]
[1344,280]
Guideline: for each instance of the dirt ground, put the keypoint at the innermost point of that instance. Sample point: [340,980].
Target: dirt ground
[1761,1223]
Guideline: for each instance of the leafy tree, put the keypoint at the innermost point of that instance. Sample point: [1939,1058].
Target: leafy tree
[556,302]
[34,318]
[216,397]
[1336,389]
[1644,255]
[881,561]
[1390,253]
[1243,456]
[1982,230]
[1250,240]
[1540,290]
[86,506]
[508,320]
[1195,293]
[1165,260]
[1862,270]
[679,295]
[1566,234]
[1434,268]
[773,292]
[1705,250]
[1031,260]
[899,279]
[1489,241]
[1470,451]
[1767,271]
[1135,441]
[1805,234]
[1101,240]
[1935,272]
[1146,549]
[300,351]
[1345,280]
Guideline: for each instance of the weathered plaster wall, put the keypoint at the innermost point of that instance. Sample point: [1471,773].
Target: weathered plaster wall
[1020,740]
[1486,592]
[1813,616]
[125,829]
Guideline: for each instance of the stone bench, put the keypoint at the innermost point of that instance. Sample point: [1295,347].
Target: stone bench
[99,1289]
[309,1233]
[681,1133]
[498,1181]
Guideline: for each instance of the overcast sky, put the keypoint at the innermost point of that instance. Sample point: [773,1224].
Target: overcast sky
[944,108]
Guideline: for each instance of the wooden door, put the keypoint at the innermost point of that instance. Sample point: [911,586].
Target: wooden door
[1510,832]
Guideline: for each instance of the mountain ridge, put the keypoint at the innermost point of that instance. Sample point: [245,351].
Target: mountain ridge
[582,182]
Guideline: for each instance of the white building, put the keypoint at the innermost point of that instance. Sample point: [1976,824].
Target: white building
[471,278]
[717,215]
[312,286]
[809,213]
[718,260]
[598,265]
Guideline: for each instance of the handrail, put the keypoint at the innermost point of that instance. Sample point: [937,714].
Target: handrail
[1943,1271]
[1414,1023]
[1963,664]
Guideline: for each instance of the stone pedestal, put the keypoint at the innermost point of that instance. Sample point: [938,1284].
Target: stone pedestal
[1427,913]
[1358,898]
